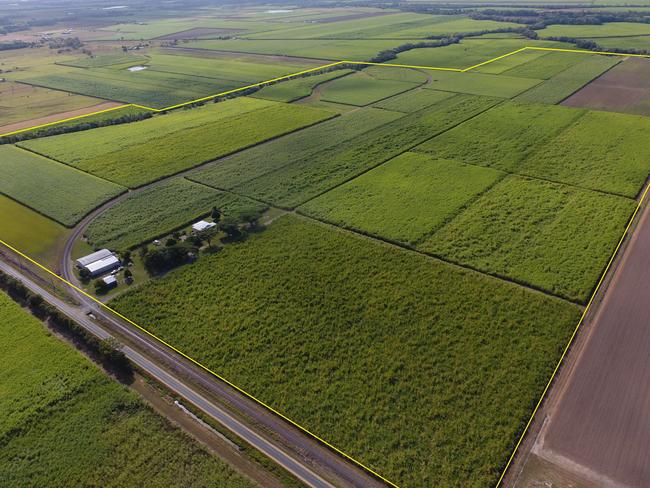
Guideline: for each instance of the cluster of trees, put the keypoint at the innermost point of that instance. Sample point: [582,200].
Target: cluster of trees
[389,54]
[107,352]
[594,46]
[6,46]
[63,43]
[538,19]
[74,127]
[446,40]
[176,252]
[7,25]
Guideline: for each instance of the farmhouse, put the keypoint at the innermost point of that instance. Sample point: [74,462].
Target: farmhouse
[202,225]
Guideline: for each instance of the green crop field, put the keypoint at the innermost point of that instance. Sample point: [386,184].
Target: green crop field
[65,423]
[106,60]
[273,155]
[413,101]
[546,66]
[416,76]
[24,102]
[547,235]
[330,49]
[306,178]
[159,210]
[363,89]
[470,52]
[240,69]
[503,136]
[28,231]
[609,29]
[54,189]
[442,409]
[145,151]
[288,91]
[567,82]
[167,79]
[639,42]
[480,83]
[602,151]
[150,88]
[404,199]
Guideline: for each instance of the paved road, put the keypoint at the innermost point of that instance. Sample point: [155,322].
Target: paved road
[299,467]
[600,427]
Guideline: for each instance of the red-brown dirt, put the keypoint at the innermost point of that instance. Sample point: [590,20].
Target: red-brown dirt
[600,427]
[624,88]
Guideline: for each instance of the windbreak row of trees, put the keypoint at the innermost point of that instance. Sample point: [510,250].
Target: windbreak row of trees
[107,352]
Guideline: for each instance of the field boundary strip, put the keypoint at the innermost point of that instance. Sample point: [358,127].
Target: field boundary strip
[575,331]
[330,65]
[203,367]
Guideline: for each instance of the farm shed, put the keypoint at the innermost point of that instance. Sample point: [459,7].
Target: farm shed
[202,225]
[103,265]
[110,281]
[91,258]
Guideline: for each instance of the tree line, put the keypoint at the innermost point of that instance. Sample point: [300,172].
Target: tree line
[107,352]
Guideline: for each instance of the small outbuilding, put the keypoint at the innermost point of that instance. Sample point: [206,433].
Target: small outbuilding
[110,281]
[202,225]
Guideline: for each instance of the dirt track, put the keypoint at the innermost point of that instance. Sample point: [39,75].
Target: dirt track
[600,427]
[56,117]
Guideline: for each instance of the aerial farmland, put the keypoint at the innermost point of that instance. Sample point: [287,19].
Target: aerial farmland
[325,245]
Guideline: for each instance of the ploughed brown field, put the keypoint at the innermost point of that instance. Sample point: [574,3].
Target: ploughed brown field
[600,427]
[624,88]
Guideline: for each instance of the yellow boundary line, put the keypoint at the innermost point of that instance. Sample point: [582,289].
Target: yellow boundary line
[575,332]
[271,409]
[336,63]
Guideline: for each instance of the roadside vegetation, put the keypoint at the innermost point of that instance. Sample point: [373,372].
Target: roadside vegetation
[81,426]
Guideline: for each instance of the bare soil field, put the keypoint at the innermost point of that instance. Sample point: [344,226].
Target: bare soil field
[600,425]
[198,33]
[25,124]
[624,88]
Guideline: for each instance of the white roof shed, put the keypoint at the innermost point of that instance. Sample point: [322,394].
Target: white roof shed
[103,265]
[91,258]
[202,225]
